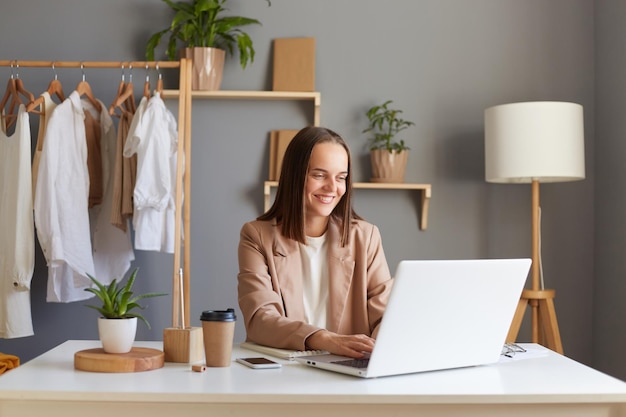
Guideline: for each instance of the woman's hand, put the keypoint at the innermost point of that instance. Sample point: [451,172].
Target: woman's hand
[354,345]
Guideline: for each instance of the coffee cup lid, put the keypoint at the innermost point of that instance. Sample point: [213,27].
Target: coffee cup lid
[219,315]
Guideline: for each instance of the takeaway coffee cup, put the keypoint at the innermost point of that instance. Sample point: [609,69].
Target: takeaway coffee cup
[218,332]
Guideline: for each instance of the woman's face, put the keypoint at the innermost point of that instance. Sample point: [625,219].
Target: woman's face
[325,181]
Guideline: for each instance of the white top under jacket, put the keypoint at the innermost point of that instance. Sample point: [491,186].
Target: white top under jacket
[315,279]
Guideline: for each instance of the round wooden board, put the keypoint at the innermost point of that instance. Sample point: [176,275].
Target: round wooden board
[137,360]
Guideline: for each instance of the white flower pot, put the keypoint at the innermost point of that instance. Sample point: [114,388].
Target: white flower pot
[117,335]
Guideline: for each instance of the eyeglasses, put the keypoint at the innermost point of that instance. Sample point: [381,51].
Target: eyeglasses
[510,349]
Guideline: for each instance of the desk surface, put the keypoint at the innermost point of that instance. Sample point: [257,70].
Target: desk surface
[537,381]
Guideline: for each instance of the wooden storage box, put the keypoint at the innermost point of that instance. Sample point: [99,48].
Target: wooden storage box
[294,64]
[279,140]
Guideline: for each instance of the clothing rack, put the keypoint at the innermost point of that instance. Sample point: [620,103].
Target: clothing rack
[180,296]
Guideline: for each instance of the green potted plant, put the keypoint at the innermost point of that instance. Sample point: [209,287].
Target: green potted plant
[118,324]
[388,154]
[207,35]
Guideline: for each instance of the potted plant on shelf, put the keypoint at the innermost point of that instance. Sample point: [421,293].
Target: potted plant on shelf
[118,324]
[206,35]
[388,154]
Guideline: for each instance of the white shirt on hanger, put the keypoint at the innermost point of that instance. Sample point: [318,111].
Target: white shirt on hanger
[17,241]
[153,137]
[61,213]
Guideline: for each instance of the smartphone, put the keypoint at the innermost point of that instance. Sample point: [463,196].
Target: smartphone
[258,363]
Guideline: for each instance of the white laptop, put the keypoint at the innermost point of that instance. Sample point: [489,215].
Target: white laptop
[441,315]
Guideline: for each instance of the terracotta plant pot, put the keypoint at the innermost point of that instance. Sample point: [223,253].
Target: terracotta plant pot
[388,166]
[207,67]
[117,335]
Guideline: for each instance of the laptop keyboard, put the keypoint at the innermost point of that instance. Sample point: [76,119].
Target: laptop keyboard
[355,363]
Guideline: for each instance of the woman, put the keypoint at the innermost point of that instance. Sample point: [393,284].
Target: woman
[312,273]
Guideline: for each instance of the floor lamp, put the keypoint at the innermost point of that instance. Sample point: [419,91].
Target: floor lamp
[534,142]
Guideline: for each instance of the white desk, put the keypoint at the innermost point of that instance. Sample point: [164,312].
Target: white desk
[544,383]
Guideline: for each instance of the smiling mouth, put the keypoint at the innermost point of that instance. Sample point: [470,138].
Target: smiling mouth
[325,199]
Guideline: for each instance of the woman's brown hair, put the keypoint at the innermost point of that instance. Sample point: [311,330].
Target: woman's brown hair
[288,206]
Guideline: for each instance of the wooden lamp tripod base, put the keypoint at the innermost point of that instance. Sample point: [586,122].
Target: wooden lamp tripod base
[545,329]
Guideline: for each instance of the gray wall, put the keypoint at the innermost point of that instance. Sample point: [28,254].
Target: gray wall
[442,61]
[610,228]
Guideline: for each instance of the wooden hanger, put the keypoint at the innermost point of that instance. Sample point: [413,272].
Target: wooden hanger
[9,117]
[125,96]
[12,93]
[159,87]
[146,85]
[84,89]
[19,85]
[120,90]
[130,101]
[54,89]
[146,88]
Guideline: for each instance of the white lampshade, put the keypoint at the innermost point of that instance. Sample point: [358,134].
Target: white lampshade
[528,141]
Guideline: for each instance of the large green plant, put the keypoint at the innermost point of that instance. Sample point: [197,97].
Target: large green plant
[118,300]
[199,23]
[385,124]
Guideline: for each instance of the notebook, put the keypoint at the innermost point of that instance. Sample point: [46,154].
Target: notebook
[440,315]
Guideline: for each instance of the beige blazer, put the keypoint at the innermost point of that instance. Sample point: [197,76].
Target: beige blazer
[270,284]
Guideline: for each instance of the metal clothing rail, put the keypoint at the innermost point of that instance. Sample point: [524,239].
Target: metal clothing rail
[180,296]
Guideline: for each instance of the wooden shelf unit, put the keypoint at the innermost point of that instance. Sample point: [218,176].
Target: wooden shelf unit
[424,189]
[313,96]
